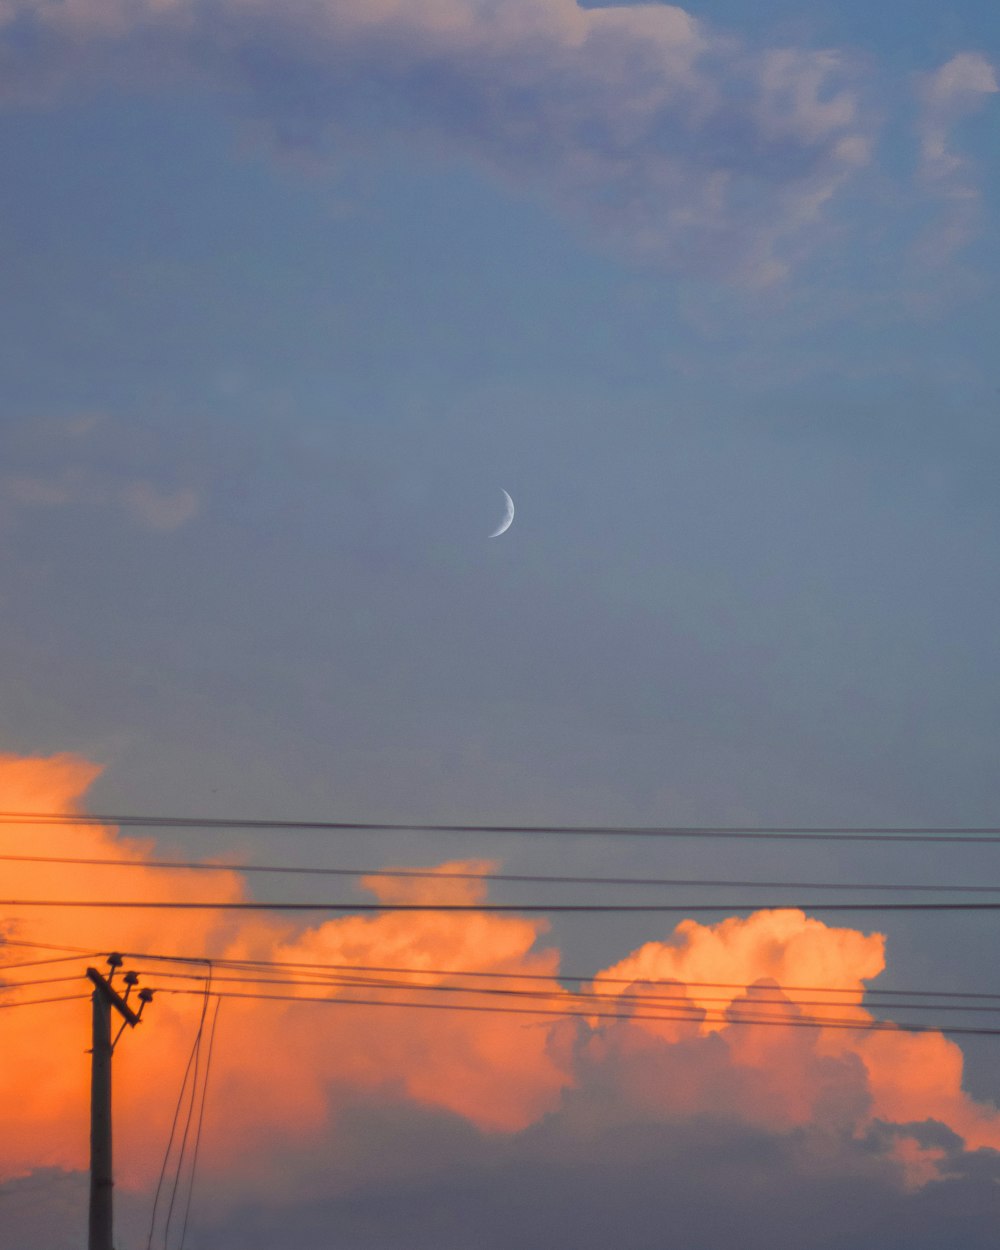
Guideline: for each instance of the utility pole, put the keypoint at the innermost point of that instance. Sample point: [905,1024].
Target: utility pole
[104,998]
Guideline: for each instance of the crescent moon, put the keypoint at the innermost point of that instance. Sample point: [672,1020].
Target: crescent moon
[508,516]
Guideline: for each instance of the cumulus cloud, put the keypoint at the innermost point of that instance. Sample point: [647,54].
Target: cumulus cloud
[676,141]
[291,1078]
[490,1069]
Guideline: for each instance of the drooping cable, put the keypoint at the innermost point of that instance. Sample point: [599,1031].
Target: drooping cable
[200,1121]
[173,1127]
[178,1174]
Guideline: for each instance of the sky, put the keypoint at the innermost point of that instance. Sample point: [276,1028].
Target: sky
[289,295]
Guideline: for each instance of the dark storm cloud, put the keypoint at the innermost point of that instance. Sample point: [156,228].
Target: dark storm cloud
[582,1180]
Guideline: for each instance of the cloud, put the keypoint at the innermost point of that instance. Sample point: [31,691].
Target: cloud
[662,136]
[956,90]
[150,505]
[651,129]
[574,1180]
[292,1079]
[959,83]
[158,509]
[490,1069]
[85,482]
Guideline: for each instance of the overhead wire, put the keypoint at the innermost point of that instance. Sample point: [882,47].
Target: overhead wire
[576,996]
[221,961]
[262,905]
[7,986]
[195,1045]
[351,978]
[49,946]
[435,874]
[986,834]
[791,1022]
[38,1002]
[179,1172]
[200,1122]
[37,963]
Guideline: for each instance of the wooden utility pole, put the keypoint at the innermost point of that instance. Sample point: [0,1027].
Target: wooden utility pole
[104,998]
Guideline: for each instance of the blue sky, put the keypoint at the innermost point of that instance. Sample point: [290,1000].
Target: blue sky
[289,294]
[277,331]
[760,504]
[267,369]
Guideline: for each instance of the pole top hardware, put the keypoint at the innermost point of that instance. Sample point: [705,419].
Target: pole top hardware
[104,988]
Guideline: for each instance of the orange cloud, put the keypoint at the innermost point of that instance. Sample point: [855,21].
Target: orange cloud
[788,1076]
[278,1064]
[284,1069]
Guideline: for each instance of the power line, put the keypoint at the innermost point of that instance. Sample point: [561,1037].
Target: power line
[694,1002]
[987,834]
[576,978]
[506,877]
[37,1002]
[7,986]
[544,908]
[37,963]
[200,1121]
[190,1111]
[48,946]
[344,981]
[170,1142]
[192,1059]
[221,961]
[793,1022]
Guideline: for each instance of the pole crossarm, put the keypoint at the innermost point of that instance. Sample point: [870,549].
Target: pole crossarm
[113,997]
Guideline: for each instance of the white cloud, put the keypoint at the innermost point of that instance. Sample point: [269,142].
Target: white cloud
[957,89]
[672,139]
[666,137]
[959,81]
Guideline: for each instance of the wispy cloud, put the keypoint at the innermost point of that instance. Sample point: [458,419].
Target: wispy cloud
[65,466]
[673,140]
[157,508]
[958,89]
[663,136]
[152,506]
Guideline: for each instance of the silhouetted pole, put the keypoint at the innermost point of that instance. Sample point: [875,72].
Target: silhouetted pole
[101,1174]
[101,1180]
